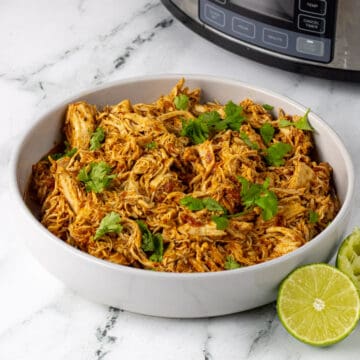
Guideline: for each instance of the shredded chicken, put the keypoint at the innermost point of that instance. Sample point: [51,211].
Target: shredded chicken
[154,167]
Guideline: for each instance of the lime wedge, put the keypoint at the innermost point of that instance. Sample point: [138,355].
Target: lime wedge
[318,304]
[348,257]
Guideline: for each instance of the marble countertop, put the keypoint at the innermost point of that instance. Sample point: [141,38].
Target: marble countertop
[51,50]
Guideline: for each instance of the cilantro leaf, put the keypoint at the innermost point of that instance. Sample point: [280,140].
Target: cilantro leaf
[234,117]
[96,178]
[197,131]
[222,222]
[268,202]
[276,152]
[268,107]
[313,217]
[110,223]
[259,195]
[195,204]
[285,123]
[267,132]
[245,138]
[192,203]
[147,240]
[97,137]
[231,263]
[68,152]
[151,242]
[151,145]
[302,124]
[213,205]
[181,102]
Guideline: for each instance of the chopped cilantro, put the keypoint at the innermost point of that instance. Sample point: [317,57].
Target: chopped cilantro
[110,223]
[313,217]
[231,263]
[151,243]
[96,176]
[267,132]
[302,124]
[97,137]
[268,107]
[259,195]
[221,222]
[181,102]
[276,152]
[245,138]
[151,145]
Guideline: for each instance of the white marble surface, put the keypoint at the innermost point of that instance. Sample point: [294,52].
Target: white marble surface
[50,50]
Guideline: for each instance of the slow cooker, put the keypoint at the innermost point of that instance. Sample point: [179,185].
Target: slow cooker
[316,37]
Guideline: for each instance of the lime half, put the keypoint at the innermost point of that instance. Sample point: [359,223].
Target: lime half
[318,304]
[348,257]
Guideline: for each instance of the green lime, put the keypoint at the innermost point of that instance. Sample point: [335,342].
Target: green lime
[348,257]
[318,304]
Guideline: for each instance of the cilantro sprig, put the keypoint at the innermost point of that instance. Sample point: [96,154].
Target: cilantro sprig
[96,176]
[259,195]
[207,124]
[302,124]
[110,223]
[151,243]
[97,138]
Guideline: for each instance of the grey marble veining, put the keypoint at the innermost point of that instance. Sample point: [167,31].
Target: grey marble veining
[51,50]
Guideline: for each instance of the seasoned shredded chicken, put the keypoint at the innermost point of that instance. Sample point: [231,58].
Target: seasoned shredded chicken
[152,166]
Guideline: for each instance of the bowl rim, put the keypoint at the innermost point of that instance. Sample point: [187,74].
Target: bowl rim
[18,197]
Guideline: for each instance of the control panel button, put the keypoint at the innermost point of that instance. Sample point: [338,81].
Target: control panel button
[215,15]
[313,6]
[275,38]
[310,46]
[311,23]
[243,27]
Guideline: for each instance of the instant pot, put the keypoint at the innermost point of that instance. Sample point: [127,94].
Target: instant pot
[317,37]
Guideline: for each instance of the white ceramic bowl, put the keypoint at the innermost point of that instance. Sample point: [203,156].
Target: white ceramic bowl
[172,294]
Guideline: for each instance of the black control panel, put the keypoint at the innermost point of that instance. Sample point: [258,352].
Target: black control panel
[300,28]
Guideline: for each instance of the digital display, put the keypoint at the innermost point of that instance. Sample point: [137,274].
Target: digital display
[279,9]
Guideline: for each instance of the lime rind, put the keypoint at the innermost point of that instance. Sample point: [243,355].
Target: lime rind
[318,304]
[348,257]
